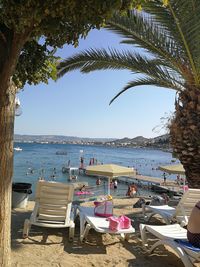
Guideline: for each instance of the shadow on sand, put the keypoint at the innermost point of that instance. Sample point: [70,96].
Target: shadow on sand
[96,243]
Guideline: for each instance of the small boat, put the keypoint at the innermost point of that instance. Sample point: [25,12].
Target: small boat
[18,148]
[61,153]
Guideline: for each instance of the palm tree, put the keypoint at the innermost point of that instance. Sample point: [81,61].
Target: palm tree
[170,37]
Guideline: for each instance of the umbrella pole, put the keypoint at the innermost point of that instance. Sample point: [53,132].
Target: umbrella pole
[108,185]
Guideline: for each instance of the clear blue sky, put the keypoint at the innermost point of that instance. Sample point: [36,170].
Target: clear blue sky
[78,104]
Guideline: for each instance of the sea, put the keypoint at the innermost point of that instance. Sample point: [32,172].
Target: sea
[47,160]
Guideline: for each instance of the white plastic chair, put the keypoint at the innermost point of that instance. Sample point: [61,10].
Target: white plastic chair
[179,214]
[53,207]
[173,236]
[89,221]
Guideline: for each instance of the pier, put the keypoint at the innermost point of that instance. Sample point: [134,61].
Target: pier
[155,183]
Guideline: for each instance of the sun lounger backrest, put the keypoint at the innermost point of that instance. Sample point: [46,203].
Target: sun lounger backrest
[54,191]
[54,201]
[187,202]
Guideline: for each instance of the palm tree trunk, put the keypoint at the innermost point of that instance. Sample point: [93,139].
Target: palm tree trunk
[185,134]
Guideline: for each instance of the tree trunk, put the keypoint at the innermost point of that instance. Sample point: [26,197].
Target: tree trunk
[11,46]
[7,108]
[185,134]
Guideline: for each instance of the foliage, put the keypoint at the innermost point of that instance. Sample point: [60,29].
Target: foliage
[58,22]
[165,123]
[168,32]
[36,64]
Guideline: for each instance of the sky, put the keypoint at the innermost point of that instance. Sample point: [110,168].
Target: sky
[78,104]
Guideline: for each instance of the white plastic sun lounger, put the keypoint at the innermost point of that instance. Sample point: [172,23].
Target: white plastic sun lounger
[179,214]
[53,207]
[173,236]
[89,221]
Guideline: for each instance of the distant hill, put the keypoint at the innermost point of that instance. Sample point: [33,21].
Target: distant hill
[136,140]
[161,138]
[57,138]
[159,141]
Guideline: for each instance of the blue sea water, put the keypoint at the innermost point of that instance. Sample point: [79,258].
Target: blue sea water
[43,158]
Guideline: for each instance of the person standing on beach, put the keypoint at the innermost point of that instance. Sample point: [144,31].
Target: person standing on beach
[164,178]
[115,184]
[178,179]
[82,161]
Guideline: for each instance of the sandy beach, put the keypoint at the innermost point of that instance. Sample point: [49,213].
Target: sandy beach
[50,247]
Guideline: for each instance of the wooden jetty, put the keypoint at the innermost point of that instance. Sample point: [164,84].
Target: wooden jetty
[155,183]
[148,179]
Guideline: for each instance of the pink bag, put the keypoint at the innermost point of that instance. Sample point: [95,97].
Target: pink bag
[118,223]
[103,208]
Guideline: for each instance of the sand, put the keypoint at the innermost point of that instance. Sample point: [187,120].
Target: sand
[50,247]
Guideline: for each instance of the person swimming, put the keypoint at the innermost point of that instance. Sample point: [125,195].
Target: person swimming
[82,189]
[98,181]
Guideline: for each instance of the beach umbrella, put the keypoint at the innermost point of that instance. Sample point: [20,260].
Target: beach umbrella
[110,171]
[174,169]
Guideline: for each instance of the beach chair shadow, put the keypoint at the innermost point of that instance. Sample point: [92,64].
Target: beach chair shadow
[17,218]
[173,236]
[53,208]
[84,248]
[178,214]
[96,240]
[141,255]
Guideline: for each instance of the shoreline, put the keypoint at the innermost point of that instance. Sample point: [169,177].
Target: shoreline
[164,149]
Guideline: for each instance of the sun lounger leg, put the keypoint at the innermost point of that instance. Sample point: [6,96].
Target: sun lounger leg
[186,261]
[85,232]
[27,226]
[122,236]
[71,232]
[127,236]
[143,234]
[82,223]
[144,210]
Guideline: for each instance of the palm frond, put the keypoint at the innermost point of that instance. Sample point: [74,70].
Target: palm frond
[97,59]
[148,81]
[141,30]
[100,59]
[182,19]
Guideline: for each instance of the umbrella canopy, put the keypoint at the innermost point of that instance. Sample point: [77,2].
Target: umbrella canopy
[173,169]
[110,171]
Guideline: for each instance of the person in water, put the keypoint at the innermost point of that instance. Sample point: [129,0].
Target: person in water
[115,184]
[82,188]
[98,181]
[132,190]
[193,227]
